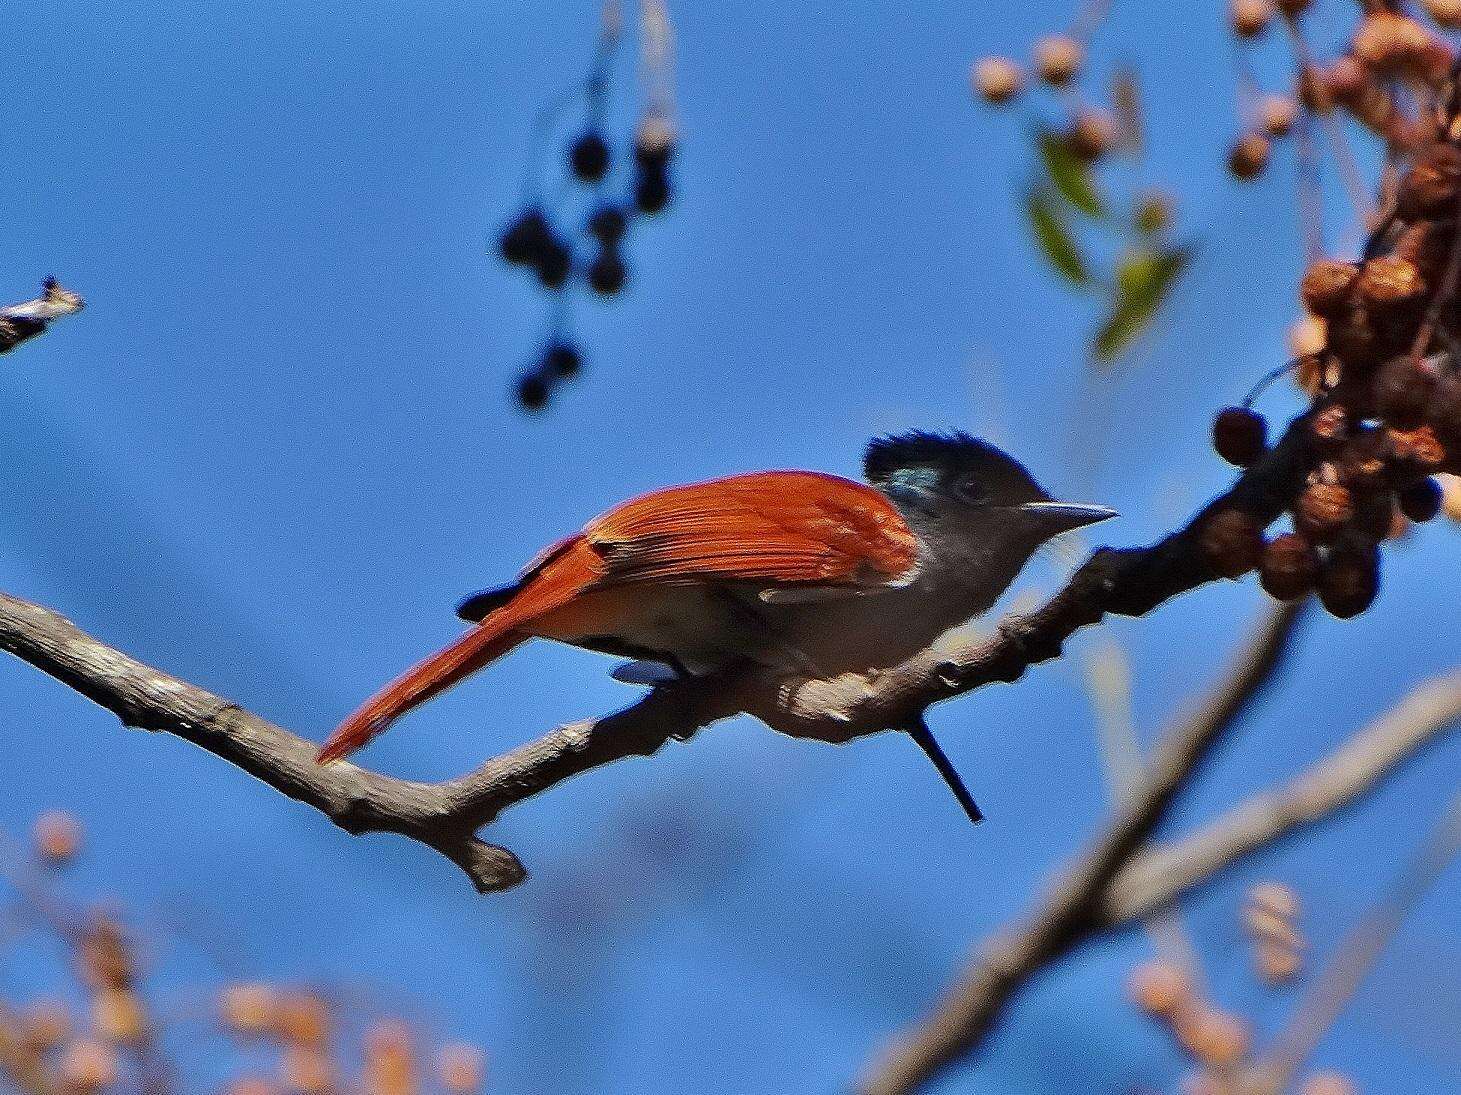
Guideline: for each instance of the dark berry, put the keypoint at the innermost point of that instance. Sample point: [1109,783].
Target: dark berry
[1421,500]
[1350,578]
[532,392]
[524,239]
[1289,566]
[607,224]
[1402,391]
[553,263]
[562,360]
[589,157]
[652,192]
[606,274]
[1240,436]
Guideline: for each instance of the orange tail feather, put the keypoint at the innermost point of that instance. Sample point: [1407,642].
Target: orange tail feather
[485,643]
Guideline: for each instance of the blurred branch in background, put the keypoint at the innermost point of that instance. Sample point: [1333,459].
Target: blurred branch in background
[1097,895]
[23,321]
[106,1033]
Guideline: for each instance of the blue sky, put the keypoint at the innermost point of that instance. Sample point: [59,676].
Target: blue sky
[278,446]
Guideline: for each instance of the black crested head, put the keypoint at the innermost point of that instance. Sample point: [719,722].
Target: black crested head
[963,464]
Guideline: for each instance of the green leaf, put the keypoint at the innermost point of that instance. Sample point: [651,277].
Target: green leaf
[1054,238]
[1144,279]
[1072,176]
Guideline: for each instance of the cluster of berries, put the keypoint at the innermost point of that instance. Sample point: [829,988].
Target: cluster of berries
[585,241]
[1391,56]
[1386,415]
[1218,1042]
[1091,131]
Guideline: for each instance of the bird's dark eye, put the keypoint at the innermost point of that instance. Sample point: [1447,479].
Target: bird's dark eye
[972,491]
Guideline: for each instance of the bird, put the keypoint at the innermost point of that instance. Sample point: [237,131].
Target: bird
[801,572]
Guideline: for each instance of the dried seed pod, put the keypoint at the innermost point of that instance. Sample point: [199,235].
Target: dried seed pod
[1323,510]
[1308,337]
[1350,578]
[1091,135]
[1428,189]
[1058,58]
[1389,283]
[1416,452]
[461,1068]
[1159,988]
[1427,246]
[248,1008]
[1277,115]
[1231,542]
[1421,500]
[1249,18]
[1314,91]
[45,1025]
[996,79]
[1445,13]
[1328,1083]
[118,1016]
[87,1067]
[1215,1038]
[1402,390]
[57,836]
[1390,43]
[1362,460]
[1348,81]
[1289,567]
[1330,424]
[1248,156]
[1309,372]
[1240,436]
[1326,286]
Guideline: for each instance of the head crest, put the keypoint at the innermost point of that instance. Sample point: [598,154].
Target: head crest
[956,457]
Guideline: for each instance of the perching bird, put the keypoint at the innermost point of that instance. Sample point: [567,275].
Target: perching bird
[807,573]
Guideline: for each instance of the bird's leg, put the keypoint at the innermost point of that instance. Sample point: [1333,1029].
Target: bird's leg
[918,730]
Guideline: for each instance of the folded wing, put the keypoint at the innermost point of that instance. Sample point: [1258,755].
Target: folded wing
[770,529]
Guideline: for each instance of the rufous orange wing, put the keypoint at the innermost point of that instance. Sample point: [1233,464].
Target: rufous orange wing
[770,530]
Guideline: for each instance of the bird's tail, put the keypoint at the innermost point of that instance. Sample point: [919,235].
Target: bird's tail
[486,642]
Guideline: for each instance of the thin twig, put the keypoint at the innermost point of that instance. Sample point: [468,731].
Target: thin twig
[1155,877]
[1068,914]
[1355,958]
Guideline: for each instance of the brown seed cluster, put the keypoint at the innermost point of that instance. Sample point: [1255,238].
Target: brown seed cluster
[106,1038]
[1386,417]
[1270,917]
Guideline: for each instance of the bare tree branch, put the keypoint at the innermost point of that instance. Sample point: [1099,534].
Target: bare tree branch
[446,815]
[1164,872]
[1152,879]
[23,321]
[1069,914]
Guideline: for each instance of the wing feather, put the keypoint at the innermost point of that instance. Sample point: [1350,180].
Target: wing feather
[768,528]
